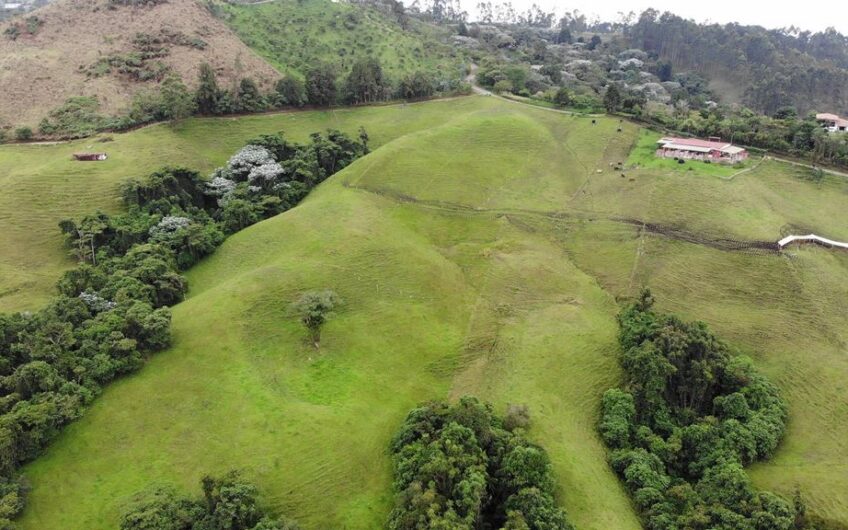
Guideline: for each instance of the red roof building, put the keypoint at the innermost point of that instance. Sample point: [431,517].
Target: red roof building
[713,150]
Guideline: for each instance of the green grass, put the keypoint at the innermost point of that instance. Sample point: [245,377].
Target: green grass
[643,156]
[480,249]
[440,300]
[40,184]
[295,34]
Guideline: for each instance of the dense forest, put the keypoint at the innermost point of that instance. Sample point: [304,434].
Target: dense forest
[779,67]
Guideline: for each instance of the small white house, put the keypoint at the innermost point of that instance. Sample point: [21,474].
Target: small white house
[832,122]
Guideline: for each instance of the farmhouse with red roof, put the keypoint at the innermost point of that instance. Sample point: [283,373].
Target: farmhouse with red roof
[713,150]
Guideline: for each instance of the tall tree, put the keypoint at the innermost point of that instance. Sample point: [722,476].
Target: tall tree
[249,97]
[177,101]
[290,91]
[365,82]
[208,93]
[321,85]
[612,98]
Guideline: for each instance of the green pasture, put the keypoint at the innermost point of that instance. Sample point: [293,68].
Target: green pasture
[482,248]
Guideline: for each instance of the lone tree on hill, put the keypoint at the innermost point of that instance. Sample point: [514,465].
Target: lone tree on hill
[314,307]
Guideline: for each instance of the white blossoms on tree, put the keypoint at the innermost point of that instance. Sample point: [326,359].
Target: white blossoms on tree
[219,186]
[169,224]
[95,302]
[247,158]
[265,174]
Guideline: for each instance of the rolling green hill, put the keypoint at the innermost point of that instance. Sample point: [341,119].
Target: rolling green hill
[295,34]
[41,184]
[481,248]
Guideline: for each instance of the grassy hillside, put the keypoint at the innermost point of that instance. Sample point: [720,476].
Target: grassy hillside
[41,184]
[59,59]
[441,300]
[480,249]
[295,34]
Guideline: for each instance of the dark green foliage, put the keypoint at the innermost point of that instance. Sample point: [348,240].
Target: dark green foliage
[779,67]
[208,94]
[416,85]
[690,416]
[249,97]
[594,42]
[136,66]
[612,98]
[321,85]
[365,83]
[228,503]
[23,133]
[461,467]
[290,92]
[172,101]
[562,97]
[112,310]
[76,118]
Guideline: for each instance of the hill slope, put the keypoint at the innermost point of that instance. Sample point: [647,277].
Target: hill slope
[439,300]
[295,34]
[478,251]
[41,184]
[66,53]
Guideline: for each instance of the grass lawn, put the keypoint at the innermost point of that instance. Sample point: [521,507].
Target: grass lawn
[480,249]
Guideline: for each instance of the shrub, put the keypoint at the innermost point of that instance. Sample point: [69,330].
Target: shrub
[290,92]
[23,133]
[504,85]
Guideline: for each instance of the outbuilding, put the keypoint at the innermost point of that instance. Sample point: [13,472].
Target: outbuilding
[713,150]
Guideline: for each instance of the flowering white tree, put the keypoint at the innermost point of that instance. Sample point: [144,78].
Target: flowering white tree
[95,302]
[265,177]
[247,158]
[220,186]
[169,224]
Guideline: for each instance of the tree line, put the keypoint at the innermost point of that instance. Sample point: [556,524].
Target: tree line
[322,86]
[112,310]
[688,419]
